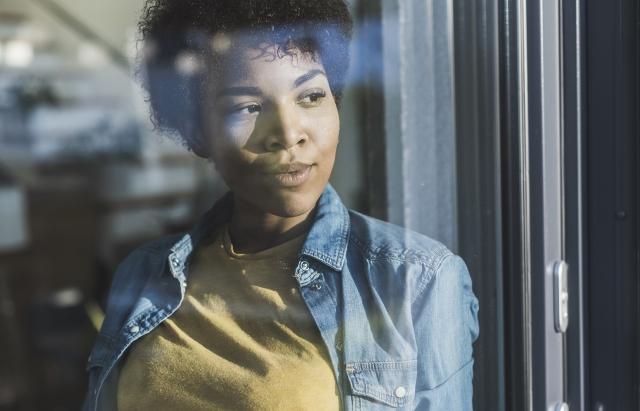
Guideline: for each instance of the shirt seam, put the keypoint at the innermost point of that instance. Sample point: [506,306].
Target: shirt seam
[445,255]
[409,254]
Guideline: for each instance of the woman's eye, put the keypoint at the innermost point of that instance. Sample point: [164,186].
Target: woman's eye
[245,110]
[312,98]
[254,108]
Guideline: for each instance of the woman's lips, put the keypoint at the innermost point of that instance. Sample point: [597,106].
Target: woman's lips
[297,175]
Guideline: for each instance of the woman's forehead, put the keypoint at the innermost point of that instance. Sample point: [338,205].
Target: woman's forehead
[251,62]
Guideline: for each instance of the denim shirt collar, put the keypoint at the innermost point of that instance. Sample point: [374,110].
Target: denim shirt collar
[326,241]
[329,234]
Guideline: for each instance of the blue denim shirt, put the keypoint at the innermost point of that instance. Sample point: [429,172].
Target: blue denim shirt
[394,308]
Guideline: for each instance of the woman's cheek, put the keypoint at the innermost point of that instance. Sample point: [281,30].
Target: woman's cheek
[237,133]
[228,150]
[330,136]
[324,125]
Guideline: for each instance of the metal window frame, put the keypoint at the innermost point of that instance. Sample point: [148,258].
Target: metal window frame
[542,100]
[546,195]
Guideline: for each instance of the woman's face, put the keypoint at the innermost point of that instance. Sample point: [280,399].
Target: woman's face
[273,127]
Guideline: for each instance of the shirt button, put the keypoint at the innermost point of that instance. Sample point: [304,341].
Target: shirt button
[304,266]
[134,329]
[175,262]
[400,392]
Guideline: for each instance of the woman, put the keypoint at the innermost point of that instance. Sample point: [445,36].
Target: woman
[280,298]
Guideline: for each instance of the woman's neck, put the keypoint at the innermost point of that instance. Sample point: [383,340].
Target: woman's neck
[253,230]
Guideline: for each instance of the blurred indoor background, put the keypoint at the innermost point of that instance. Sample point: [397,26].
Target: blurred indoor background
[84,179]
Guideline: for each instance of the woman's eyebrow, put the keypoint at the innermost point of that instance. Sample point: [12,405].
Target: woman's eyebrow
[240,91]
[308,76]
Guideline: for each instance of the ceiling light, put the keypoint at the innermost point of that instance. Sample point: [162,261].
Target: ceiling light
[18,53]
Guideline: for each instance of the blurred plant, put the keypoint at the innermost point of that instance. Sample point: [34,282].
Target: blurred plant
[34,91]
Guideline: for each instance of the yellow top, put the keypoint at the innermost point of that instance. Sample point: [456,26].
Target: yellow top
[242,339]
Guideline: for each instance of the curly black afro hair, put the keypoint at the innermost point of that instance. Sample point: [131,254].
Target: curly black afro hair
[178,38]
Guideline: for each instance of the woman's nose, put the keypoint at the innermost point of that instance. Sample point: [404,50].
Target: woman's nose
[284,130]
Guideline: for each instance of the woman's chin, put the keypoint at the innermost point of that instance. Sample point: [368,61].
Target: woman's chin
[289,204]
[284,202]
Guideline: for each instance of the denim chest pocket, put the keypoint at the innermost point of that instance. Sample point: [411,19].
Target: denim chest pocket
[382,384]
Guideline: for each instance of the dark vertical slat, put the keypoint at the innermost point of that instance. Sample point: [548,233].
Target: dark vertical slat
[478,179]
[517,367]
[537,204]
[370,70]
[574,95]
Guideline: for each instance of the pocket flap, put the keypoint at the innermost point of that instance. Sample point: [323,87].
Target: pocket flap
[390,382]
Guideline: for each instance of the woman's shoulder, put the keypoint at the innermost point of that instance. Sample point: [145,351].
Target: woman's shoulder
[380,240]
[142,262]
[151,252]
[132,276]
[159,246]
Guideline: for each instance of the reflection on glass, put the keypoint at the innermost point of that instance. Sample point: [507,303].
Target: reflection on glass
[275,295]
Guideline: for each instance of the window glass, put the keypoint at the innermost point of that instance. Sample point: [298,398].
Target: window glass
[88,173]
